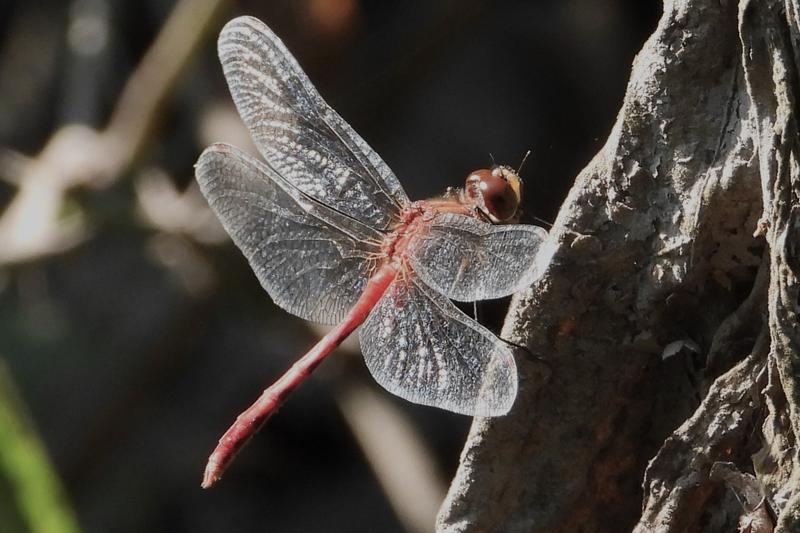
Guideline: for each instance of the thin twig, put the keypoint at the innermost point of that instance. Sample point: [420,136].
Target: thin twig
[74,156]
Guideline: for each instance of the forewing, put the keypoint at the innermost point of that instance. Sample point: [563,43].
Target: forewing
[419,346]
[467,260]
[311,260]
[298,134]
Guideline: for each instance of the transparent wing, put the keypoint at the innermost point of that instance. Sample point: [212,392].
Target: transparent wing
[298,134]
[419,346]
[311,260]
[466,259]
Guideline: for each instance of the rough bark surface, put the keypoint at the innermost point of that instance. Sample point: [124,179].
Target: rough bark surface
[669,310]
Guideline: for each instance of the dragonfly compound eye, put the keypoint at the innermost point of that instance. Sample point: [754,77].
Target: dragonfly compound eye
[496,192]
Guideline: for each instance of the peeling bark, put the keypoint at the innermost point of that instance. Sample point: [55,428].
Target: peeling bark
[669,311]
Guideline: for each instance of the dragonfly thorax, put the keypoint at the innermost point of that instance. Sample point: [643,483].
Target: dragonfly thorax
[413,218]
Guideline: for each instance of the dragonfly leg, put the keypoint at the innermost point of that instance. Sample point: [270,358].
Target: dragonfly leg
[531,356]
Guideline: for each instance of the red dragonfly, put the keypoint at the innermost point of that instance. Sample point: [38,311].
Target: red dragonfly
[333,238]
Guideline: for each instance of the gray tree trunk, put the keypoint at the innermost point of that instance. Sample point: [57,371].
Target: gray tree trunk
[669,312]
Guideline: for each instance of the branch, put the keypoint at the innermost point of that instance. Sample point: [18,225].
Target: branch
[32,225]
[660,241]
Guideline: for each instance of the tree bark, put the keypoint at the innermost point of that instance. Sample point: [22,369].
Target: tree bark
[669,311]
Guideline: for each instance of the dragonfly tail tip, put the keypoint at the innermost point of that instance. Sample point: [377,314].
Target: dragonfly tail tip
[210,476]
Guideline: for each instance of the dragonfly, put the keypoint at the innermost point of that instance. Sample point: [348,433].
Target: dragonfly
[333,238]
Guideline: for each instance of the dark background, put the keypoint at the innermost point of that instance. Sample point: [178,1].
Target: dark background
[133,350]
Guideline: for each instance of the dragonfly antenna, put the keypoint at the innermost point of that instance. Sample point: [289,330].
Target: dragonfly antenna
[524,158]
[494,163]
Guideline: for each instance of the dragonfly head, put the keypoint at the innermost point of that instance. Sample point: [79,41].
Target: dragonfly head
[496,192]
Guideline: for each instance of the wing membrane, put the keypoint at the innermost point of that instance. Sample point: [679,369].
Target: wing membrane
[298,134]
[419,346]
[466,259]
[312,260]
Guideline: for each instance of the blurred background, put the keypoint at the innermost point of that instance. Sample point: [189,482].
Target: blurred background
[132,332]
